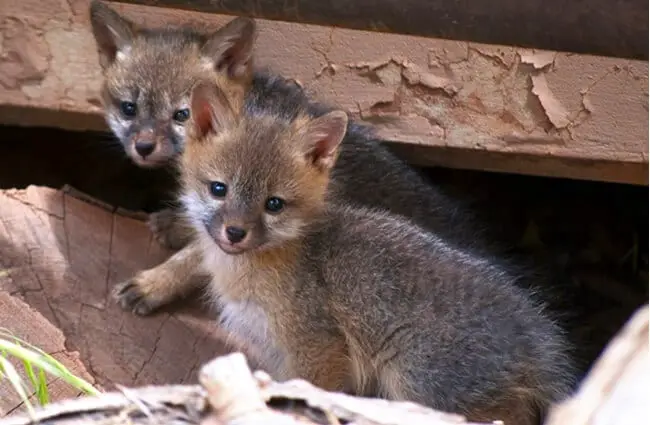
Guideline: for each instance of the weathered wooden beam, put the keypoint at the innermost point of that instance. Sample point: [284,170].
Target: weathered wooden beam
[446,103]
[617,28]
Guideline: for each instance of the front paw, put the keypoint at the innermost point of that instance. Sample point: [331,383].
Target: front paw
[169,229]
[138,295]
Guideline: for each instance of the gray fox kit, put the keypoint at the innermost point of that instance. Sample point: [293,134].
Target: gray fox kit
[148,74]
[353,298]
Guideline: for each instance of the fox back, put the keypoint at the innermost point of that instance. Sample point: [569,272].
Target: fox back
[426,322]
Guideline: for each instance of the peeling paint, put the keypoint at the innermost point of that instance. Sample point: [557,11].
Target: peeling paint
[539,60]
[390,75]
[452,52]
[556,113]
[586,104]
[416,75]
[503,55]
[23,54]
[412,73]
[370,66]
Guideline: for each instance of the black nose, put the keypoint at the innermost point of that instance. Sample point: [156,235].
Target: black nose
[235,234]
[144,148]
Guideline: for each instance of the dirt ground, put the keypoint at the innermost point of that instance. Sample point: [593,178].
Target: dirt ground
[60,255]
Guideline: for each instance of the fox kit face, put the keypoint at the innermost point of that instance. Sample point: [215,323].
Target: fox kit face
[252,183]
[149,75]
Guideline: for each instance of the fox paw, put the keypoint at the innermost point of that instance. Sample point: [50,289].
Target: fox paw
[169,229]
[138,295]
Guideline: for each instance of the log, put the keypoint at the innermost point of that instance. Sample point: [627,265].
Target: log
[438,102]
[60,254]
[617,28]
[229,393]
[615,391]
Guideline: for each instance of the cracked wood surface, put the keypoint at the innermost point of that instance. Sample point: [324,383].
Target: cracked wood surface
[59,257]
[442,102]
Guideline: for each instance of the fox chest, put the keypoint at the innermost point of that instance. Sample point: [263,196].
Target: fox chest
[241,315]
[249,323]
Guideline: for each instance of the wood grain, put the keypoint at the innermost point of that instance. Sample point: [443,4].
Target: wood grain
[59,257]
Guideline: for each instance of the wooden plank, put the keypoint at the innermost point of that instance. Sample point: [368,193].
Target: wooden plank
[576,26]
[443,102]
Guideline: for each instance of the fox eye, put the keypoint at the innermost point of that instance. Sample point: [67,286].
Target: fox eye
[181,115]
[128,109]
[274,205]
[218,189]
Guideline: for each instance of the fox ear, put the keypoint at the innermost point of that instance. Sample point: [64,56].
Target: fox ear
[322,137]
[231,48]
[210,110]
[113,33]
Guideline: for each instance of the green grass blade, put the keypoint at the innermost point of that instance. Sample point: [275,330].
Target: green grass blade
[41,389]
[29,371]
[48,364]
[9,372]
[38,365]
[39,384]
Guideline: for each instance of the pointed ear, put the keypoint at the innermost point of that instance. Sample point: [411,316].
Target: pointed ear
[112,32]
[231,48]
[322,137]
[210,110]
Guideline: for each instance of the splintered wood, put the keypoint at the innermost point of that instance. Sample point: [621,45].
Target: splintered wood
[616,389]
[231,395]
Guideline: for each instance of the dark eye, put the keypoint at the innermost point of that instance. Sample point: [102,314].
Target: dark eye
[274,205]
[218,189]
[128,109]
[182,115]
